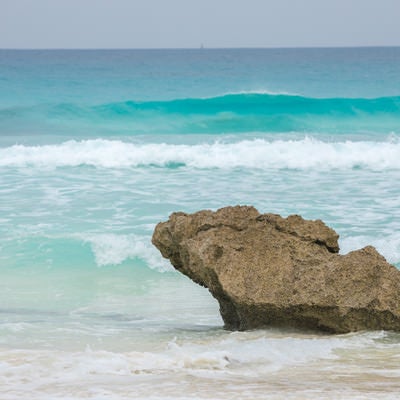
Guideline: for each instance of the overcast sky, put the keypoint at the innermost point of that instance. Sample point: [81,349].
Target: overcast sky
[190,23]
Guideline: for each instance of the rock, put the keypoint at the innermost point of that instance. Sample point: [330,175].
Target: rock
[266,270]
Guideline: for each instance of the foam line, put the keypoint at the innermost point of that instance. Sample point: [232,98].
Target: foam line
[301,154]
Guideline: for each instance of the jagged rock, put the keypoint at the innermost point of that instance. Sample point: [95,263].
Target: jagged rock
[266,270]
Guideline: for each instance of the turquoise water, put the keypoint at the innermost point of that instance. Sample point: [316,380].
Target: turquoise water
[96,147]
[231,113]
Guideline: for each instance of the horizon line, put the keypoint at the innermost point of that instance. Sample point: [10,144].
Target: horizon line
[200,48]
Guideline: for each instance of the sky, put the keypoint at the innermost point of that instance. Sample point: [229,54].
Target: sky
[192,23]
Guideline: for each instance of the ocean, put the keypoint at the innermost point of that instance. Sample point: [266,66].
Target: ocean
[98,146]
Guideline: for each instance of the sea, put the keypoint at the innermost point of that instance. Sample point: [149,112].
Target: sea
[98,146]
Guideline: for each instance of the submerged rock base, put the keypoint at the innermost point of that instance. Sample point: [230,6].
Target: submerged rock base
[266,271]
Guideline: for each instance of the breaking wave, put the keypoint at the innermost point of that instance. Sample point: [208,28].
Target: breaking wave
[113,249]
[307,153]
[233,113]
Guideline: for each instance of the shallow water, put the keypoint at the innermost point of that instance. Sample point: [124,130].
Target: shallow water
[214,365]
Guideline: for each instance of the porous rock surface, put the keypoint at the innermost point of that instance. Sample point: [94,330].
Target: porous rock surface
[266,270]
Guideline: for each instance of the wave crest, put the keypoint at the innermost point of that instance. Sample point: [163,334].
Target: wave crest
[113,249]
[306,153]
[233,113]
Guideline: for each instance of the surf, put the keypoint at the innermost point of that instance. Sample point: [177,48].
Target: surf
[302,154]
[228,113]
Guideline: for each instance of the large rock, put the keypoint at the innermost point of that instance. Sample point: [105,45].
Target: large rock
[266,270]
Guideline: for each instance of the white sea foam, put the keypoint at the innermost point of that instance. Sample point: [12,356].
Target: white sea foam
[307,153]
[255,363]
[388,245]
[234,355]
[113,249]
[256,91]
